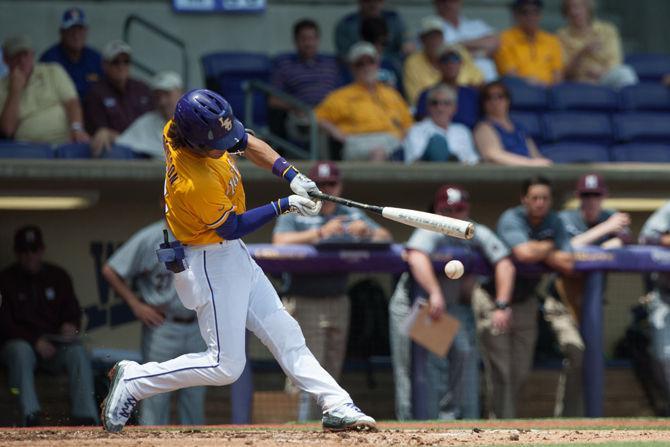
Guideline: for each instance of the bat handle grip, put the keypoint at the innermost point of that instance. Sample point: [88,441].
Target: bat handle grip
[319,195]
[166,237]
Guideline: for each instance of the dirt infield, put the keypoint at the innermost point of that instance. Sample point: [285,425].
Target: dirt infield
[518,432]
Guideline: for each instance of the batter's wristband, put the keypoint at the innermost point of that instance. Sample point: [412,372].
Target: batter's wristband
[282,168]
[281,205]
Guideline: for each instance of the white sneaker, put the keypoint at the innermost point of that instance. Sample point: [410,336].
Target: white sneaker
[119,403]
[348,417]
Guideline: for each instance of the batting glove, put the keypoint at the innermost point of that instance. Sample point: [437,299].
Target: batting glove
[303,185]
[303,206]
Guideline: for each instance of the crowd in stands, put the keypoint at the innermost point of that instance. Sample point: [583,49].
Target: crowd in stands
[361,96]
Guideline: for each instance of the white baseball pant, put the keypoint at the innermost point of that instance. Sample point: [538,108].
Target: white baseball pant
[229,292]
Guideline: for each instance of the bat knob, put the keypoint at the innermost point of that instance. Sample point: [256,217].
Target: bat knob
[470,231]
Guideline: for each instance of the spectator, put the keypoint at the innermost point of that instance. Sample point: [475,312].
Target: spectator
[82,63]
[475,35]
[168,328]
[39,102]
[375,31]
[39,328]
[656,231]
[500,139]
[454,380]
[528,52]
[348,29]
[3,67]
[319,302]
[588,225]
[450,63]
[145,134]
[592,47]
[306,75]
[113,103]
[367,116]
[536,235]
[437,138]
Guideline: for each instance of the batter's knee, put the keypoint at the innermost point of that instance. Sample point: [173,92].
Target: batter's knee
[229,371]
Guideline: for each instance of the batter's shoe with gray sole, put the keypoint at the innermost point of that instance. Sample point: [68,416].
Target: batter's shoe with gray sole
[119,403]
[348,417]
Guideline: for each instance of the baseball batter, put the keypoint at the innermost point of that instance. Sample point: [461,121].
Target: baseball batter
[214,273]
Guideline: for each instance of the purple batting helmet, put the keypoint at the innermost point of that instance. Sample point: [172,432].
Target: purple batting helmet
[205,121]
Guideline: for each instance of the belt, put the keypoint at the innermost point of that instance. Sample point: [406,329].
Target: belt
[182,320]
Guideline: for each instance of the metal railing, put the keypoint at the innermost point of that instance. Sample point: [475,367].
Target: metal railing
[176,41]
[252,86]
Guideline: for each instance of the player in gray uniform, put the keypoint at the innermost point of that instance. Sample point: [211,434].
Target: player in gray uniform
[536,235]
[168,328]
[319,302]
[454,380]
[656,231]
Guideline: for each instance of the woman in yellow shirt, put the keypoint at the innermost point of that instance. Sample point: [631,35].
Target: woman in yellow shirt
[592,47]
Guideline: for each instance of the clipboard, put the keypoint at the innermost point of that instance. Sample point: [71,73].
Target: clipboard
[434,335]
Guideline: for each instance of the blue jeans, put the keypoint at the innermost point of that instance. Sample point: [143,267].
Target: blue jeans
[20,359]
[455,378]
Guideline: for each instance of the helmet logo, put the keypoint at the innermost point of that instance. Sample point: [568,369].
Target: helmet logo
[210,135]
[226,123]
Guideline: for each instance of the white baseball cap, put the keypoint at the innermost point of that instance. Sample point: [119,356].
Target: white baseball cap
[167,81]
[360,49]
[114,48]
[430,24]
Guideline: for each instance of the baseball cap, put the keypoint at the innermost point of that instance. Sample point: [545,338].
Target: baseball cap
[28,238]
[73,17]
[591,184]
[449,196]
[167,81]
[325,171]
[15,44]
[517,4]
[360,49]
[114,48]
[430,24]
[450,54]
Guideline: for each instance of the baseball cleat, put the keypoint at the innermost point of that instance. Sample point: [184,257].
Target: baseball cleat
[119,403]
[348,417]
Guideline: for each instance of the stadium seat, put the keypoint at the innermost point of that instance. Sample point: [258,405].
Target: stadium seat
[531,122]
[20,149]
[646,153]
[74,150]
[526,96]
[584,97]
[576,153]
[642,127]
[118,152]
[577,127]
[645,97]
[648,66]
[225,73]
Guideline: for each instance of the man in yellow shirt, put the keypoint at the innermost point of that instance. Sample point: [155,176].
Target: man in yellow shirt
[38,102]
[528,52]
[367,117]
[421,69]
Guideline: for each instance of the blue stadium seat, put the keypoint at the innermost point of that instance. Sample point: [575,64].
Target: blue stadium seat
[118,152]
[20,149]
[577,127]
[225,73]
[642,127]
[576,153]
[640,152]
[585,97]
[526,96]
[531,122]
[648,66]
[645,97]
[74,150]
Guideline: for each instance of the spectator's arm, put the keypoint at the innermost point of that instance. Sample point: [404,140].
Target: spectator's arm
[9,119]
[489,146]
[76,120]
[616,223]
[504,278]
[561,261]
[333,130]
[558,62]
[381,234]
[311,236]
[486,44]
[144,312]
[533,251]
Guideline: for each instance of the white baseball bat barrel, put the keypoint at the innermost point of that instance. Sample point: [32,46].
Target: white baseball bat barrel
[434,222]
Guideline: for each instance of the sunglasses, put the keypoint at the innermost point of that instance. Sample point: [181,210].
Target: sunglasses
[587,195]
[363,63]
[496,96]
[450,58]
[117,62]
[529,11]
[441,102]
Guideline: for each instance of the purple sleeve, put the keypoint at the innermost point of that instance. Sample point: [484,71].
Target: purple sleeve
[238,225]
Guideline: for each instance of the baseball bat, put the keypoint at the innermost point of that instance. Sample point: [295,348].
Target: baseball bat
[434,222]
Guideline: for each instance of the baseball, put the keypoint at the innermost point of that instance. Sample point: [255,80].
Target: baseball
[454,269]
